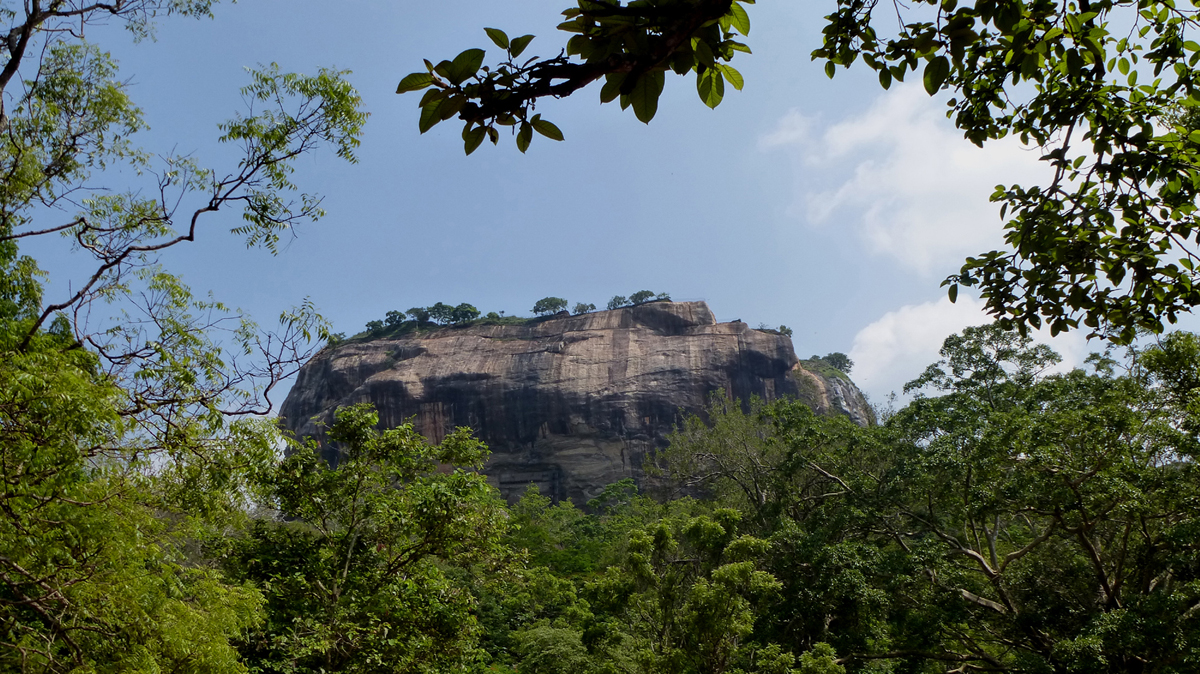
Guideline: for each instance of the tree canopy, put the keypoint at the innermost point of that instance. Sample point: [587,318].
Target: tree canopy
[128,412]
[1105,89]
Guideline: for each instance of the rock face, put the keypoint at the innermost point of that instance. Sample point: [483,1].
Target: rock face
[570,403]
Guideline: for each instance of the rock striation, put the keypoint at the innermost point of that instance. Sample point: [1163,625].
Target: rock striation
[570,403]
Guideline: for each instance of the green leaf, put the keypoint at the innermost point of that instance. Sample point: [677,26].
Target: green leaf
[472,138]
[430,116]
[465,65]
[885,78]
[519,44]
[414,82]
[498,37]
[644,97]
[704,54]
[451,105]
[546,128]
[830,69]
[936,72]
[612,87]
[524,136]
[952,292]
[731,74]
[711,87]
[739,19]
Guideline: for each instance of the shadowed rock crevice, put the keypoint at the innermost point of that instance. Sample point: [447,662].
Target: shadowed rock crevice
[570,403]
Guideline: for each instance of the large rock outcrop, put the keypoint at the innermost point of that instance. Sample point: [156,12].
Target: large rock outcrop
[570,403]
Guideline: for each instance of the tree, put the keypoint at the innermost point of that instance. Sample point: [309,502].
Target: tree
[419,314]
[838,360]
[375,327]
[1108,243]
[393,319]
[787,332]
[354,569]
[686,594]
[1010,523]
[441,313]
[128,416]
[549,305]
[464,313]
[617,302]
[641,297]
[581,308]
[1087,489]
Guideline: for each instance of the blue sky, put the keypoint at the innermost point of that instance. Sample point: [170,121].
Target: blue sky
[826,205]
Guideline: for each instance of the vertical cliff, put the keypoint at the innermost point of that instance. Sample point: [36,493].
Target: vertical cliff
[571,403]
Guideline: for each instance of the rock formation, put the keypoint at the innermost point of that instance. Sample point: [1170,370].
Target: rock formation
[570,403]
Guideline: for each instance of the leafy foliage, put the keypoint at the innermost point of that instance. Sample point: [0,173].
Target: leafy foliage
[127,405]
[630,46]
[353,569]
[1103,90]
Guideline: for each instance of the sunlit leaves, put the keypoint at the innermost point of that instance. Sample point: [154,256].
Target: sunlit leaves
[711,87]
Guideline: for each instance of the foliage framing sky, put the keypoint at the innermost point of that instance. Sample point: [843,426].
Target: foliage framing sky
[829,206]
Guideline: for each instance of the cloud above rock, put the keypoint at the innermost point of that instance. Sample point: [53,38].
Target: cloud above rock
[903,179]
[898,346]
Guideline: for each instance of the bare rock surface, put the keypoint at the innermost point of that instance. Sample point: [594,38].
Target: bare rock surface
[570,403]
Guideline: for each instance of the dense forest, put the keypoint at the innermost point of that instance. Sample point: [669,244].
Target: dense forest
[1010,518]
[1007,519]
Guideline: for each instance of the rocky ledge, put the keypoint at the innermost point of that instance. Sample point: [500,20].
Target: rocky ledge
[570,403]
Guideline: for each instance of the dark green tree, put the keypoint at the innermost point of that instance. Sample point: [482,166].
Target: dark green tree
[549,305]
[393,319]
[837,359]
[464,313]
[617,302]
[419,314]
[581,308]
[641,297]
[441,313]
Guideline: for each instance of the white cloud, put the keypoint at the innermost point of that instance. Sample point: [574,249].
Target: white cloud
[905,179]
[897,347]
